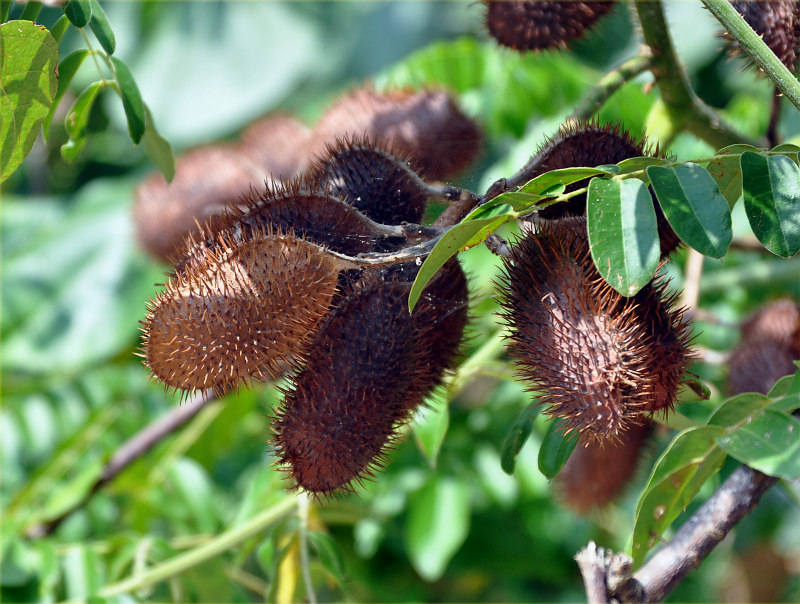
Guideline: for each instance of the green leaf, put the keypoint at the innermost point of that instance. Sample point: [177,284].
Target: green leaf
[101,28]
[59,28]
[28,59]
[158,148]
[461,236]
[789,150]
[772,201]
[635,164]
[738,409]
[623,235]
[768,441]
[437,524]
[77,120]
[328,553]
[555,450]
[727,171]
[78,12]
[694,207]
[131,100]
[565,176]
[31,10]
[66,70]
[517,436]
[691,459]
[430,425]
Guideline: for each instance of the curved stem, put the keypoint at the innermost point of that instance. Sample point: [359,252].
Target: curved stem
[213,548]
[756,48]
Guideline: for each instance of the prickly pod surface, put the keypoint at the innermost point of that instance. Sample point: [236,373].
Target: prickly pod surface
[777,22]
[592,355]
[370,366]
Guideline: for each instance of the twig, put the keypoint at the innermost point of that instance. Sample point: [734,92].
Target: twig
[134,448]
[691,281]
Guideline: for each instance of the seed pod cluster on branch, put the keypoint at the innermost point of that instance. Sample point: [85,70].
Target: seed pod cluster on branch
[274,286]
[426,125]
[777,22]
[541,25]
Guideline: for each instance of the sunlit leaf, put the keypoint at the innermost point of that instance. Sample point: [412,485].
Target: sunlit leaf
[77,121]
[768,441]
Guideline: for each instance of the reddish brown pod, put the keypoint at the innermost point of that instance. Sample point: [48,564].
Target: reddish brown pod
[206,180]
[770,343]
[375,181]
[583,347]
[777,22]
[597,473]
[590,144]
[425,125]
[240,313]
[278,144]
[541,24]
[370,366]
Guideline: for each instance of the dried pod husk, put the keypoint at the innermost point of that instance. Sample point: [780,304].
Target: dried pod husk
[777,22]
[425,125]
[206,180]
[770,343]
[585,348]
[590,144]
[375,181]
[298,208]
[370,366]
[241,313]
[278,144]
[597,473]
[541,24]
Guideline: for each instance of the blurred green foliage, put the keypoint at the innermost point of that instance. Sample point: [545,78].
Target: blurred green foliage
[443,522]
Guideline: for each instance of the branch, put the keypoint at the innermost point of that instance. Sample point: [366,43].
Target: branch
[756,48]
[685,108]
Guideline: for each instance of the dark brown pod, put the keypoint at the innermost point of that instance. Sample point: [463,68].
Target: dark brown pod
[426,125]
[278,144]
[777,22]
[375,181]
[370,366]
[770,343]
[206,180]
[541,25]
[585,348]
[590,144]
[596,473]
[240,313]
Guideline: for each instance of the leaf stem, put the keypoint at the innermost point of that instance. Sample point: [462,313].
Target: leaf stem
[756,48]
[198,555]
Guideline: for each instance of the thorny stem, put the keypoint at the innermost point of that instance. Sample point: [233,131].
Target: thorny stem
[684,107]
[756,48]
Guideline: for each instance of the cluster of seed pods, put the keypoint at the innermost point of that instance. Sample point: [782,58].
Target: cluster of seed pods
[273,286]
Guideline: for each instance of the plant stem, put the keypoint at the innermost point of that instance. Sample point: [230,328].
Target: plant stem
[756,48]
[303,507]
[213,548]
[685,109]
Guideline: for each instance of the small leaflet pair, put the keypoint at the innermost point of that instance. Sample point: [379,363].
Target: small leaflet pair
[257,293]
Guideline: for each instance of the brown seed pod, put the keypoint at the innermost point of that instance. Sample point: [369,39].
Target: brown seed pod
[206,180]
[590,144]
[541,25]
[374,180]
[240,313]
[426,125]
[777,22]
[770,342]
[278,144]
[596,473]
[370,366]
[580,344]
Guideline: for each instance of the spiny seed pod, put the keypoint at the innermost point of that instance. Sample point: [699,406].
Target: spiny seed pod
[370,366]
[206,180]
[596,473]
[297,208]
[590,144]
[541,25]
[581,344]
[770,342]
[374,180]
[279,144]
[777,22]
[241,313]
[426,125]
